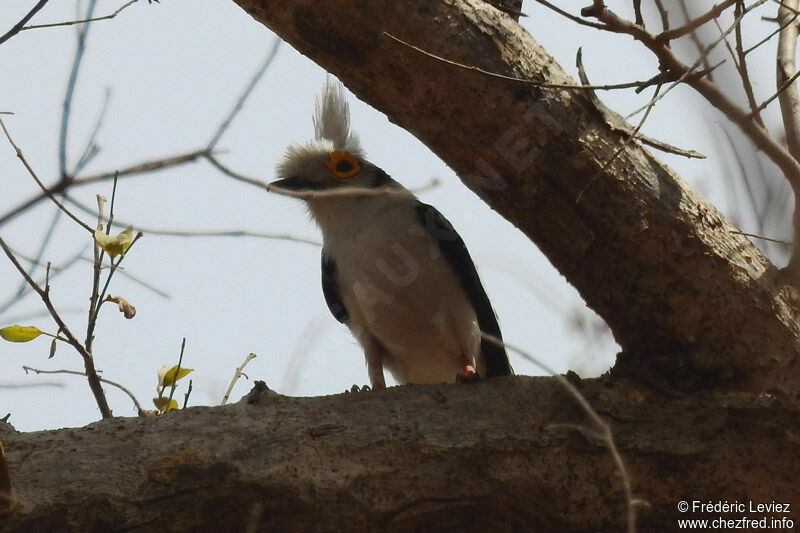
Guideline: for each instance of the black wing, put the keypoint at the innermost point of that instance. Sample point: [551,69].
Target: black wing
[456,254]
[330,289]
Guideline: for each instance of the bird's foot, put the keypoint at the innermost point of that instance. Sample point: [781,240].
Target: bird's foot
[356,388]
[470,375]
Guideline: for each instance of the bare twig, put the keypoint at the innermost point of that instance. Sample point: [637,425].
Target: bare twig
[35,262]
[236,377]
[662,12]
[767,38]
[603,430]
[769,239]
[570,16]
[19,25]
[167,232]
[139,410]
[608,87]
[701,50]
[741,67]
[82,21]
[631,136]
[72,80]
[777,93]
[637,11]
[135,170]
[177,373]
[613,120]
[757,134]
[91,149]
[47,192]
[789,100]
[91,373]
[262,69]
[692,25]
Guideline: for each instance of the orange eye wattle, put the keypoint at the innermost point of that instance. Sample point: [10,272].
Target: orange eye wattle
[343,164]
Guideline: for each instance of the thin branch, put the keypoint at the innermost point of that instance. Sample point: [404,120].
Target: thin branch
[34,261]
[741,67]
[619,150]
[768,37]
[777,93]
[621,125]
[626,85]
[71,82]
[47,193]
[603,432]
[166,232]
[692,25]
[662,12]
[114,266]
[236,377]
[757,134]
[53,273]
[91,149]
[91,373]
[177,373]
[262,69]
[19,25]
[789,100]
[82,21]
[574,18]
[139,410]
[701,50]
[637,12]
[135,170]
[769,239]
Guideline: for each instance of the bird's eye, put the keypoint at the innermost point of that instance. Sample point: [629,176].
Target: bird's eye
[343,164]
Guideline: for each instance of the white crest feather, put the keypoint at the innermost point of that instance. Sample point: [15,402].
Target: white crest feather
[332,119]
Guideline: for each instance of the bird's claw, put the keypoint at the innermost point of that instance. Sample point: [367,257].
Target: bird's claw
[356,388]
[470,375]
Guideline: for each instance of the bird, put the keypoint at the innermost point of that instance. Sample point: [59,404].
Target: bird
[394,270]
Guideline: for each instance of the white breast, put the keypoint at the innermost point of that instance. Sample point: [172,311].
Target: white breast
[397,287]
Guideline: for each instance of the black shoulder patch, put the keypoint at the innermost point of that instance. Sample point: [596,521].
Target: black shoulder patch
[381,179]
[330,289]
[455,253]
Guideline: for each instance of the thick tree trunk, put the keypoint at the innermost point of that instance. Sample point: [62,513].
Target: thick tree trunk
[687,300]
[499,456]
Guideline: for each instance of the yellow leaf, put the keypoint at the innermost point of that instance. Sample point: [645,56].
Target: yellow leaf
[165,404]
[20,333]
[114,245]
[166,375]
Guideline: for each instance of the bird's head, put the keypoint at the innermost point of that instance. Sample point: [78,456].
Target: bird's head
[333,163]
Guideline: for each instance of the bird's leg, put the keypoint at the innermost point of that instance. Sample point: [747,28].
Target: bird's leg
[376,378]
[373,352]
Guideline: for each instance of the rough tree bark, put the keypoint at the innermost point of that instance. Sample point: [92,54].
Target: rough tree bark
[703,400]
[499,456]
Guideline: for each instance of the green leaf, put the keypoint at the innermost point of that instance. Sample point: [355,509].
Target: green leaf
[166,375]
[20,333]
[165,404]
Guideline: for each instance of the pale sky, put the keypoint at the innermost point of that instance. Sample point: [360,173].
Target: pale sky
[174,70]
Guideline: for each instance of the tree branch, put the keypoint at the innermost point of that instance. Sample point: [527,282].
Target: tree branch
[790,112]
[500,455]
[653,259]
[88,360]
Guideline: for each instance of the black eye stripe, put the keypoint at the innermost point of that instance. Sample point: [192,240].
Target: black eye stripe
[344,166]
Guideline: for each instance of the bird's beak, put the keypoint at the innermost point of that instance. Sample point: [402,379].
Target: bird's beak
[294,186]
[293,183]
